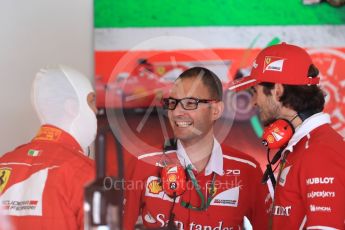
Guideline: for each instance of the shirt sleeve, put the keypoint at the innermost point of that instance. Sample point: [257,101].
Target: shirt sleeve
[261,201]
[323,187]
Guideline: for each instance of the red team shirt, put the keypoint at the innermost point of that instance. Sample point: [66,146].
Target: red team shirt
[42,182]
[238,193]
[310,192]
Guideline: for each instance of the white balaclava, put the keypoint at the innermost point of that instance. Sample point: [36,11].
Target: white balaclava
[59,96]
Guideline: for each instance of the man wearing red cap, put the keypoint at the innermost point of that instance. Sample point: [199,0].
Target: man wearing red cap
[311,182]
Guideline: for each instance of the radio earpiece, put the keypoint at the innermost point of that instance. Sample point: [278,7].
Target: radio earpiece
[173,179]
[277,134]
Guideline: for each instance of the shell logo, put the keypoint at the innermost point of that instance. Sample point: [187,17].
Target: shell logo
[172,178]
[270,139]
[155,187]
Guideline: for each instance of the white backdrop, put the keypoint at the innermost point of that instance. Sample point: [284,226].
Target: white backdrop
[34,34]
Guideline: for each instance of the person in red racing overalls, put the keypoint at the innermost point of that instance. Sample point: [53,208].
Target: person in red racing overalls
[223,185]
[311,183]
[42,182]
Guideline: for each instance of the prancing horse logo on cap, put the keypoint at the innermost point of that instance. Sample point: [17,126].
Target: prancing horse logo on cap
[273,64]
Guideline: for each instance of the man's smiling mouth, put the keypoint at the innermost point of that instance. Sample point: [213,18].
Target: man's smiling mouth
[183,124]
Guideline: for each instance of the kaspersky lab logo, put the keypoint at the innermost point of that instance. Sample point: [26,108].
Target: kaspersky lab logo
[273,64]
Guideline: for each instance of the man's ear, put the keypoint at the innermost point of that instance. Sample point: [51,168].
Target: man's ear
[278,91]
[217,110]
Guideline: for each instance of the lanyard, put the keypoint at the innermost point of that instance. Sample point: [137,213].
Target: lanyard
[204,205]
[282,165]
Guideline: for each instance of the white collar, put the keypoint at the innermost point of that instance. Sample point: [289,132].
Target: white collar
[215,164]
[306,127]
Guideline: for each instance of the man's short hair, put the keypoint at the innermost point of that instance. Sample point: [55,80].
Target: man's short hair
[208,78]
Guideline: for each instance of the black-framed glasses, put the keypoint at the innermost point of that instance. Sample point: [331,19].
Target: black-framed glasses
[188,103]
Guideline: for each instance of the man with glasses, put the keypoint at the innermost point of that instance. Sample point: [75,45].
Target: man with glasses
[223,184]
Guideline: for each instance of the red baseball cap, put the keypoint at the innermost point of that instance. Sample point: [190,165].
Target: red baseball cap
[283,63]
